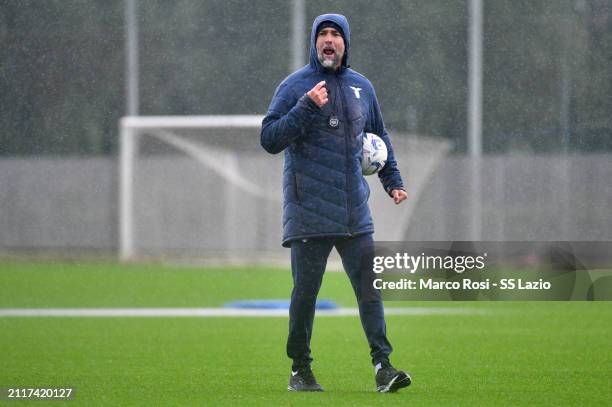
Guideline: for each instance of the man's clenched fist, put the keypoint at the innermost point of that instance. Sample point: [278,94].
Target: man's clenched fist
[318,94]
[398,196]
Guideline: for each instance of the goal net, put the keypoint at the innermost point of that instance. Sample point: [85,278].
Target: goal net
[197,186]
[202,188]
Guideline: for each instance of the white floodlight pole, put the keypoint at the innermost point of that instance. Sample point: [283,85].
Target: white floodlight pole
[474,127]
[131,51]
[475,79]
[567,32]
[127,135]
[298,34]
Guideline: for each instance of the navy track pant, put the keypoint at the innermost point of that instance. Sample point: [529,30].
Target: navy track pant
[308,261]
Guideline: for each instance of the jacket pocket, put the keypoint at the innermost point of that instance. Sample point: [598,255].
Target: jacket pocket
[366,186]
[296,188]
[359,125]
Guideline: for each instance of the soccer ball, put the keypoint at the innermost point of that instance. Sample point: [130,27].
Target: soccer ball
[374,154]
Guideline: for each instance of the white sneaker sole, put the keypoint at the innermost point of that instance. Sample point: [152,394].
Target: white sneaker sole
[290,388]
[405,382]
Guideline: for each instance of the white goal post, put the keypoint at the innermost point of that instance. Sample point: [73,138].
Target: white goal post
[133,127]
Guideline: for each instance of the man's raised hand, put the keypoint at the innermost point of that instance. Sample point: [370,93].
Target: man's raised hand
[318,94]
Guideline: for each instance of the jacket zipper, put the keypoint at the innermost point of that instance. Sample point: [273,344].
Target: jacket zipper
[346,151]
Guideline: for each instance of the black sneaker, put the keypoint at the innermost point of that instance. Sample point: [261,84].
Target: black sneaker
[303,380]
[389,380]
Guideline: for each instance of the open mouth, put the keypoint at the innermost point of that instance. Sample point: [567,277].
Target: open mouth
[329,51]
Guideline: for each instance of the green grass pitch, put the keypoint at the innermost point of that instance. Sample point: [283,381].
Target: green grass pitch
[508,353]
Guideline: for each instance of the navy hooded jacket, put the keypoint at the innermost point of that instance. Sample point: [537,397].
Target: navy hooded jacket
[324,192]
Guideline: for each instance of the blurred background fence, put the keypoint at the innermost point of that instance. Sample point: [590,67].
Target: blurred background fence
[546,125]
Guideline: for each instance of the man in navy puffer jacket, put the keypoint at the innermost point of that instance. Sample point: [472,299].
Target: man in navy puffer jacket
[317,117]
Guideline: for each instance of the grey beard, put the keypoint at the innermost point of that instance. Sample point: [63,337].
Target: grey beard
[328,63]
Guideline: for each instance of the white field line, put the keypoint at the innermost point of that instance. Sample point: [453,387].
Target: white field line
[215,312]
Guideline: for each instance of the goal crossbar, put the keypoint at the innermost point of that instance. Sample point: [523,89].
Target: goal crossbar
[180,122]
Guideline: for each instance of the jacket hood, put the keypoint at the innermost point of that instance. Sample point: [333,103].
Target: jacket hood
[343,24]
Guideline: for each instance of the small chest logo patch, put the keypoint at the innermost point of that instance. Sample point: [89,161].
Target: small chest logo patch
[334,122]
[356,90]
